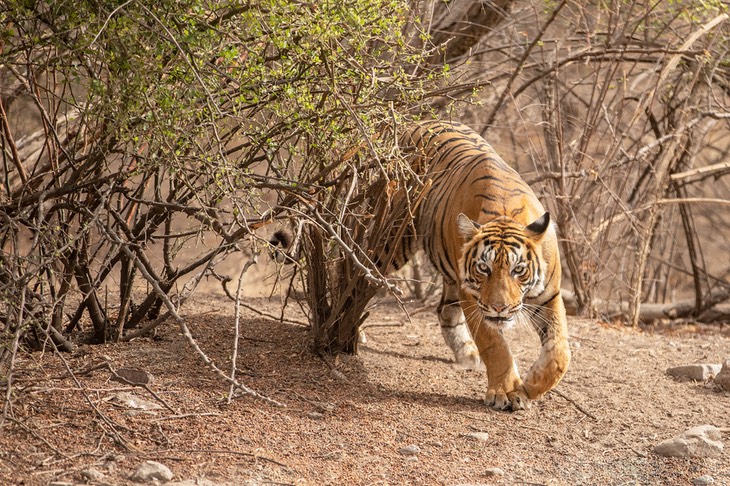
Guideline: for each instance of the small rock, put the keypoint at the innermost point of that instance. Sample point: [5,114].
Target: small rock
[92,474]
[701,441]
[151,470]
[493,472]
[697,372]
[410,450]
[132,376]
[130,400]
[722,379]
[703,480]
[323,407]
[315,415]
[477,436]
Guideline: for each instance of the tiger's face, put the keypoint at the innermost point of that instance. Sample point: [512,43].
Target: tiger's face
[501,265]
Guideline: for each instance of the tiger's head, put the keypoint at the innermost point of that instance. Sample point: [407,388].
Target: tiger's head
[501,265]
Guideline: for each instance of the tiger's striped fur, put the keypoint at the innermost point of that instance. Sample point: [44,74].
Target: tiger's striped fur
[486,232]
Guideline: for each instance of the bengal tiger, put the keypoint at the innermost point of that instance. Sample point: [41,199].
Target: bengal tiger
[485,231]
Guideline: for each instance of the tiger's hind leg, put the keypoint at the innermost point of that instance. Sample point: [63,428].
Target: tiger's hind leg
[455,331]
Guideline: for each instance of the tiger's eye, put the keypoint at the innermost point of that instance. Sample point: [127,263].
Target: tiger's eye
[482,267]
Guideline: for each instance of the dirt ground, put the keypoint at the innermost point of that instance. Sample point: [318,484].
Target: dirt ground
[351,425]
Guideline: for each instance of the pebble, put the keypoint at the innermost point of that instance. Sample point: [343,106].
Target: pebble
[149,471]
[722,379]
[130,400]
[315,415]
[410,450]
[697,372]
[92,474]
[700,441]
[478,436]
[703,480]
[132,376]
[493,472]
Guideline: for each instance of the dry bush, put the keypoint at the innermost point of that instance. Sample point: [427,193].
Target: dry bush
[618,113]
[141,145]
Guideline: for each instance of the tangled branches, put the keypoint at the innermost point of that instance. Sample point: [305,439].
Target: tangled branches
[620,112]
[141,145]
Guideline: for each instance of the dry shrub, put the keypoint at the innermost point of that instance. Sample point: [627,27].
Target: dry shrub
[618,114]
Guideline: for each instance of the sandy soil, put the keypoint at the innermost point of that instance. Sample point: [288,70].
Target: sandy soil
[349,426]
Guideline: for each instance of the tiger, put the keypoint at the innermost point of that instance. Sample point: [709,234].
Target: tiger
[488,235]
[490,238]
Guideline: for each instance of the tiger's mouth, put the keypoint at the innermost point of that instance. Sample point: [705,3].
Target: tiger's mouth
[500,322]
[502,318]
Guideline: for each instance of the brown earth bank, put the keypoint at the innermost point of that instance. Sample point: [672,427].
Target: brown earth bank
[398,413]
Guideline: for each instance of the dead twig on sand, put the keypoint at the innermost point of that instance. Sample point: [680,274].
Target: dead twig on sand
[578,406]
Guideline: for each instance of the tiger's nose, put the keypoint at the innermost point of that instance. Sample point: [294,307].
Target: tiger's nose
[499,308]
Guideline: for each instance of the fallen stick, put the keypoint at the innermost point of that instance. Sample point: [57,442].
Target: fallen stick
[575,404]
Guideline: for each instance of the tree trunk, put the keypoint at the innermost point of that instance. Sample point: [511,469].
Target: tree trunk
[459,25]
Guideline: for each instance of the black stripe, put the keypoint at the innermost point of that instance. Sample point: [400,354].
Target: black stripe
[454,157]
[472,253]
[549,300]
[511,244]
[508,237]
[489,212]
[487,178]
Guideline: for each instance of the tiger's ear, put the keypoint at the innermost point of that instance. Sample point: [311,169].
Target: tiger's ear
[467,227]
[536,230]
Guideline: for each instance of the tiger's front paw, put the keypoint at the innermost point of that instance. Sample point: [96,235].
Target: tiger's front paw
[500,398]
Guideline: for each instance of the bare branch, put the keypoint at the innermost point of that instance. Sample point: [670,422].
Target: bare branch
[694,175]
